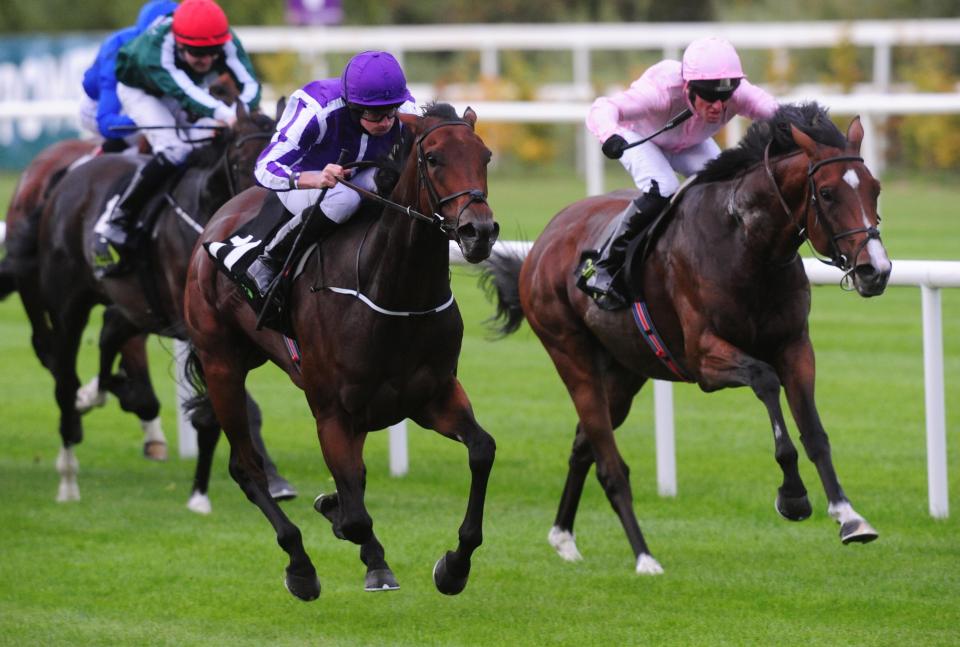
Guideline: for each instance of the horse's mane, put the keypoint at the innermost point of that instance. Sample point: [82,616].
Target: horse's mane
[389,172]
[209,155]
[811,118]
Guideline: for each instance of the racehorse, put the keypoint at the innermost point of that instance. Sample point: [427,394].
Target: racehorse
[148,300]
[18,267]
[379,333]
[729,300]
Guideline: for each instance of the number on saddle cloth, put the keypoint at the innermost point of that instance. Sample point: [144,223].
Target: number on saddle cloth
[233,255]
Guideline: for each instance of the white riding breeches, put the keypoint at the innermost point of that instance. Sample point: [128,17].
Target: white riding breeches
[648,162]
[173,138]
[88,115]
[338,204]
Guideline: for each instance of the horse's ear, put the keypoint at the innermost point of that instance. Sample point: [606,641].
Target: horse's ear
[470,116]
[855,135]
[281,106]
[412,122]
[242,112]
[804,141]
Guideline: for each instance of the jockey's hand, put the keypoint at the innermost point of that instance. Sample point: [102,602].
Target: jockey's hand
[226,114]
[322,179]
[614,147]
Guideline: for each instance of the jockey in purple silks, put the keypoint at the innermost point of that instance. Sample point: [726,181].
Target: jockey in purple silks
[710,83]
[357,112]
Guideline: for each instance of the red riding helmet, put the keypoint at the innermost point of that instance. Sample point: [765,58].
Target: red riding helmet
[200,23]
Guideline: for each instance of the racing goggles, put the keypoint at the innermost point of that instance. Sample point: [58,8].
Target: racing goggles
[375,116]
[204,52]
[712,91]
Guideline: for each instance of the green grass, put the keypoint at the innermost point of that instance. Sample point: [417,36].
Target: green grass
[130,565]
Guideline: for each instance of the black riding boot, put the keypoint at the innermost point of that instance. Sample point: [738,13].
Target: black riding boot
[635,218]
[264,269]
[120,228]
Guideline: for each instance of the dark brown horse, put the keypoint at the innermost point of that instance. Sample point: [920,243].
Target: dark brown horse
[148,300]
[727,293]
[380,336]
[18,271]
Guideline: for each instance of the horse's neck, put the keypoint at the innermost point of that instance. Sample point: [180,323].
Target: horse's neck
[407,262]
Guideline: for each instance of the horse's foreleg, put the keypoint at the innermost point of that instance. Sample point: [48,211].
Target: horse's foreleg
[722,365]
[225,381]
[69,327]
[798,371]
[208,434]
[452,416]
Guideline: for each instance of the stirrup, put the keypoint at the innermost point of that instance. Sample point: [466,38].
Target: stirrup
[107,259]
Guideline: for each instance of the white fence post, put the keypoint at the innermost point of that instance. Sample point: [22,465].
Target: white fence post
[399,462]
[186,434]
[666,447]
[935,402]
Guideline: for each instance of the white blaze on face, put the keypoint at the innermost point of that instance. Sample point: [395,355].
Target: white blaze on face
[878,255]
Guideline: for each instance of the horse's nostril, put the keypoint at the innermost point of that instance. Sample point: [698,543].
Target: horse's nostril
[467,232]
[866,272]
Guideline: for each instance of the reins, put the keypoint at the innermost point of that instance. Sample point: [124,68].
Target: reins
[837,258]
[423,179]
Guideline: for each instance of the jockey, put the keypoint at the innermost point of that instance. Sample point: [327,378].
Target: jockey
[711,84]
[357,112]
[100,110]
[164,78]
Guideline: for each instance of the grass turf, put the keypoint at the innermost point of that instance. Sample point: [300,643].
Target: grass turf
[130,565]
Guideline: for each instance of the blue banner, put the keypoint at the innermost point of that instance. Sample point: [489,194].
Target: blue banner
[40,68]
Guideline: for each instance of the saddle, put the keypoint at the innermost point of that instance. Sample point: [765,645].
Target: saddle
[233,255]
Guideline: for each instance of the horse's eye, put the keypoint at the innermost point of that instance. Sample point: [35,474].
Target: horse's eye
[826,194]
[432,159]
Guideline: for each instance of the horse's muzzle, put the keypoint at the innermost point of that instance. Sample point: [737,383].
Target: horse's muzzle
[869,281]
[476,239]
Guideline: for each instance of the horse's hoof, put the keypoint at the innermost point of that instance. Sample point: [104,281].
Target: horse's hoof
[380,579]
[447,583]
[155,450]
[281,490]
[199,503]
[564,542]
[325,504]
[857,530]
[793,508]
[89,396]
[306,588]
[647,565]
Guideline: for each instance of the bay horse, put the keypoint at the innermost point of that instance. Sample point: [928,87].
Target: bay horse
[148,300]
[379,333]
[727,293]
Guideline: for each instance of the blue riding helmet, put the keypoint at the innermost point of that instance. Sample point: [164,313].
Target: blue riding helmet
[153,10]
[374,79]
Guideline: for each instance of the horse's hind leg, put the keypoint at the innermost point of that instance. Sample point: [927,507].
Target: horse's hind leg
[621,387]
[225,376]
[452,416]
[798,375]
[280,488]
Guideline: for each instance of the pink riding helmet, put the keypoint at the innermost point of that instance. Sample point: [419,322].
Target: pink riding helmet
[707,59]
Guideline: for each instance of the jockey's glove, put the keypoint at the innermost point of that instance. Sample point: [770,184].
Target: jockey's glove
[614,147]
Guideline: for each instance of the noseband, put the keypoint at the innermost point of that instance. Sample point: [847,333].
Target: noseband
[436,202]
[837,258]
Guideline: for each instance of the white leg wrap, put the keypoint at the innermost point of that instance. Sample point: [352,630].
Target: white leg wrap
[843,512]
[565,544]
[152,431]
[647,565]
[89,396]
[68,467]
[199,503]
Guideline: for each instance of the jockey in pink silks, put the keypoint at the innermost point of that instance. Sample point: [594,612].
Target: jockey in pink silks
[710,83]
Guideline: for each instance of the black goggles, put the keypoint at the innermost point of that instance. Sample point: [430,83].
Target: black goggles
[375,116]
[713,94]
[202,52]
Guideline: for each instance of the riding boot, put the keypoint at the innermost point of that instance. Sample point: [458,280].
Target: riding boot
[121,228]
[641,211]
[264,269]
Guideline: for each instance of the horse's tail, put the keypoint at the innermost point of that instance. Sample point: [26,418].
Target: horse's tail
[500,280]
[193,374]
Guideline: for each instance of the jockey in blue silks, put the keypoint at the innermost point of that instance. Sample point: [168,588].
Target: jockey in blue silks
[100,109]
[356,112]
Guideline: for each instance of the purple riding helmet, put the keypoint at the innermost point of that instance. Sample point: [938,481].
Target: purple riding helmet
[374,79]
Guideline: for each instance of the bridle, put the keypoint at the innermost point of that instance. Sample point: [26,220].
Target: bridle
[837,258]
[230,168]
[423,180]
